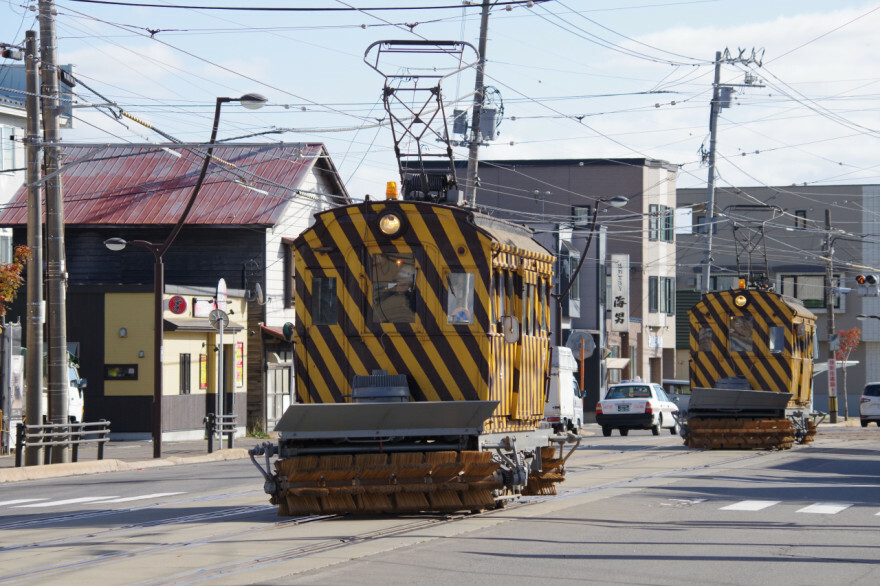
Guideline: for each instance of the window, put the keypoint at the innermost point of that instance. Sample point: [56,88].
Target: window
[810,289]
[800,219]
[661,223]
[8,159]
[394,288]
[776,343]
[289,276]
[582,215]
[706,338]
[460,298]
[185,372]
[661,295]
[740,333]
[701,225]
[324,301]
[5,245]
[652,221]
[575,291]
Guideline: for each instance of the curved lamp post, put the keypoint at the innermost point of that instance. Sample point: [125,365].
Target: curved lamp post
[618,201]
[250,101]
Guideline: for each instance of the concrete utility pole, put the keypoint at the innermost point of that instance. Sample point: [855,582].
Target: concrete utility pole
[829,285]
[56,271]
[710,199]
[476,135]
[720,100]
[34,318]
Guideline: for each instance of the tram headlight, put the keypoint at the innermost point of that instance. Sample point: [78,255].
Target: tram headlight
[390,224]
[740,301]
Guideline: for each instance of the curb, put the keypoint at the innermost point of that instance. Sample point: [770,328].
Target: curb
[101,466]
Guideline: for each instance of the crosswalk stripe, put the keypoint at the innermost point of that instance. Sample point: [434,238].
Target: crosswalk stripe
[825,508]
[750,505]
[142,497]
[84,499]
[19,501]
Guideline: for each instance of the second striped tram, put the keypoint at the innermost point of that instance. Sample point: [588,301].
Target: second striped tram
[751,371]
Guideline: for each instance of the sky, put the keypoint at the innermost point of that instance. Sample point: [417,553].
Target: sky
[576,79]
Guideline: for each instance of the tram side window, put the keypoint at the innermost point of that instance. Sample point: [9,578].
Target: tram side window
[324,301]
[394,288]
[460,298]
[740,333]
[705,338]
[776,343]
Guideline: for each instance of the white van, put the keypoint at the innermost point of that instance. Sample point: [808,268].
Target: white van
[564,410]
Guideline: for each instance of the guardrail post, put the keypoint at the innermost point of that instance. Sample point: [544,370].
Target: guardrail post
[76,431]
[230,422]
[19,444]
[102,437]
[209,429]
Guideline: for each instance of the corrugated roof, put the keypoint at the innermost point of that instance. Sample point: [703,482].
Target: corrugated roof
[137,185]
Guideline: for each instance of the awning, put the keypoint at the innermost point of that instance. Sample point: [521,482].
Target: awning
[197,324]
[616,363]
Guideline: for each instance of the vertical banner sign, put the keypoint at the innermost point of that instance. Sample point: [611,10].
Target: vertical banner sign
[832,377]
[203,371]
[239,364]
[619,302]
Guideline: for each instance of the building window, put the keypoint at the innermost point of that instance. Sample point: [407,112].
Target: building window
[810,289]
[800,219]
[575,291]
[5,245]
[324,301]
[582,215]
[289,277]
[661,223]
[7,148]
[185,374]
[661,295]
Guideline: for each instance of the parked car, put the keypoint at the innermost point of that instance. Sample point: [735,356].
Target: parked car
[869,404]
[679,392]
[636,405]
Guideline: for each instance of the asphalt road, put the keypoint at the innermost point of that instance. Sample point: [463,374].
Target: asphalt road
[634,510]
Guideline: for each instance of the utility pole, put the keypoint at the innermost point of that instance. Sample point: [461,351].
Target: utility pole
[476,135]
[710,199]
[34,318]
[829,288]
[720,100]
[56,272]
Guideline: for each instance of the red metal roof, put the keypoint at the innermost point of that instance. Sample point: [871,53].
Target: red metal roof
[138,185]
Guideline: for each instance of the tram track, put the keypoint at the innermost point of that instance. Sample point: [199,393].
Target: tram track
[269,532]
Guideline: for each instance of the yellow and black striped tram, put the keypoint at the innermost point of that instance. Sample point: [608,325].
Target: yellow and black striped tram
[751,370]
[422,352]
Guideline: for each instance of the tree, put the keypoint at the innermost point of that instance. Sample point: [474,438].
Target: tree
[10,277]
[849,341]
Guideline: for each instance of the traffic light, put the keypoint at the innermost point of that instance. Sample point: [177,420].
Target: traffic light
[868,285]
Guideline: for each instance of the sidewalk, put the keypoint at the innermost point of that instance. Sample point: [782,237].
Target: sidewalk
[128,455]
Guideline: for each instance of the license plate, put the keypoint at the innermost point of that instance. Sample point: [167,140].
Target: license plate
[622,408]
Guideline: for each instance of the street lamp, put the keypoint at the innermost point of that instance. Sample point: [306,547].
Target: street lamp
[618,201]
[250,101]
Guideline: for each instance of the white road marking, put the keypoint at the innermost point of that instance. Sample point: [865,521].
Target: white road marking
[750,505]
[142,497]
[825,508]
[84,499]
[19,501]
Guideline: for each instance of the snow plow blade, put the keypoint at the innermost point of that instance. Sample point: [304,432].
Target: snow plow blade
[741,419]
[405,457]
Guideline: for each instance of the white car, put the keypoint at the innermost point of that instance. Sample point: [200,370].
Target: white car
[636,405]
[869,404]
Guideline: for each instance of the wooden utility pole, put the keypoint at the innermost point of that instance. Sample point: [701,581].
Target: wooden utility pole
[34,318]
[710,199]
[56,270]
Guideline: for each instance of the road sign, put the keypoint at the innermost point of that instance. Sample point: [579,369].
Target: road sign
[832,377]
